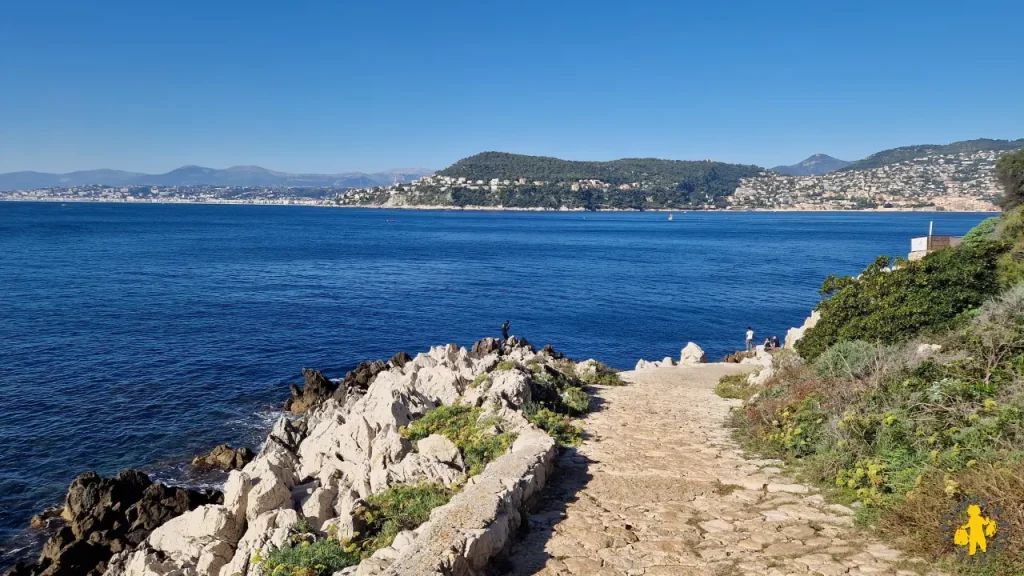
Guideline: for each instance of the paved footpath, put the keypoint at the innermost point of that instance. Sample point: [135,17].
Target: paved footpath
[660,488]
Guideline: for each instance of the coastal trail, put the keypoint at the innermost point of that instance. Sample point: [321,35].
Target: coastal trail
[659,487]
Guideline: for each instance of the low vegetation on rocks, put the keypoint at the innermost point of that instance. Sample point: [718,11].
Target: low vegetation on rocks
[402,507]
[478,438]
[352,474]
[598,374]
[909,403]
[734,386]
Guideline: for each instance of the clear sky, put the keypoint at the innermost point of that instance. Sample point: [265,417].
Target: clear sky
[366,85]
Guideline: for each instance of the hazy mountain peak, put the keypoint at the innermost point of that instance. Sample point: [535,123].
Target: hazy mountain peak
[814,165]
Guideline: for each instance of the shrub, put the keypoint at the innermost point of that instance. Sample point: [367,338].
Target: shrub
[474,437]
[846,360]
[559,390]
[985,230]
[505,366]
[1010,173]
[601,375]
[909,434]
[401,507]
[734,386]
[575,400]
[481,378]
[922,520]
[558,426]
[317,558]
[890,306]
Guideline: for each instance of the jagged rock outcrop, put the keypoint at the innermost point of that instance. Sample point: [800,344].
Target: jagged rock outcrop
[691,355]
[362,375]
[399,360]
[105,516]
[550,352]
[316,389]
[484,347]
[351,448]
[793,335]
[224,458]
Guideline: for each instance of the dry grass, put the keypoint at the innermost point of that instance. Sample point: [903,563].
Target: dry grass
[922,521]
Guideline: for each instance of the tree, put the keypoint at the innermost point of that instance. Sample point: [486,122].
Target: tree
[1010,173]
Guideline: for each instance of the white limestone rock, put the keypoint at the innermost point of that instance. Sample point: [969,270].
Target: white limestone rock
[440,448]
[510,388]
[793,335]
[416,468]
[586,368]
[691,355]
[257,538]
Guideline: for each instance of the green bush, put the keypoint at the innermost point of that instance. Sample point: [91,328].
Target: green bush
[1010,173]
[985,230]
[908,434]
[558,426]
[310,558]
[481,378]
[576,400]
[401,507]
[602,375]
[505,366]
[890,306]
[474,437]
[846,360]
[734,386]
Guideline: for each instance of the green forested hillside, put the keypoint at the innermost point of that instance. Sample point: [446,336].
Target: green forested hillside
[904,153]
[716,178]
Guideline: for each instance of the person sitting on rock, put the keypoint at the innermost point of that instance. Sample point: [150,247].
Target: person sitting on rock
[767,344]
[775,342]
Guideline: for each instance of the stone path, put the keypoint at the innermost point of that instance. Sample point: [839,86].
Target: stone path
[660,488]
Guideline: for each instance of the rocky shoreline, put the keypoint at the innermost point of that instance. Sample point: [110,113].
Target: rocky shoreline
[342,442]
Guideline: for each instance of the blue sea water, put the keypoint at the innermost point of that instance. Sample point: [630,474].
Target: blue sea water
[140,335]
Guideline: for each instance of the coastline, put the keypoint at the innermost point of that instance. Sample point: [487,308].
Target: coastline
[494,208]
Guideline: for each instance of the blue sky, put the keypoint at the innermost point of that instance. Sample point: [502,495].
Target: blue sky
[339,86]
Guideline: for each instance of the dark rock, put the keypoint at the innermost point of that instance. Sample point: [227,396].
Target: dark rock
[105,516]
[43,519]
[549,351]
[224,458]
[363,375]
[160,503]
[317,389]
[484,347]
[399,360]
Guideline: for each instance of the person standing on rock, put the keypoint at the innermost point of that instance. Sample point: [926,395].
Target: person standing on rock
[504,332]
[750,338]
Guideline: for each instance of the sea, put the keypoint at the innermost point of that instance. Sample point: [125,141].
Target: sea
[139,335]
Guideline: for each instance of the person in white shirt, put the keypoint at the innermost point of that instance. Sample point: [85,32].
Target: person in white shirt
[750,338]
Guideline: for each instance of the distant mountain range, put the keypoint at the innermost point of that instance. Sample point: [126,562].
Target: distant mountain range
[816,165]
[198,175]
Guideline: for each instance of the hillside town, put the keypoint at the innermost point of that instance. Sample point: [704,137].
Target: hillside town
[174,194]
[957,182]
[954,182]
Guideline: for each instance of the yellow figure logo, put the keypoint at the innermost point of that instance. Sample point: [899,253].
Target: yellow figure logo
[974,532]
